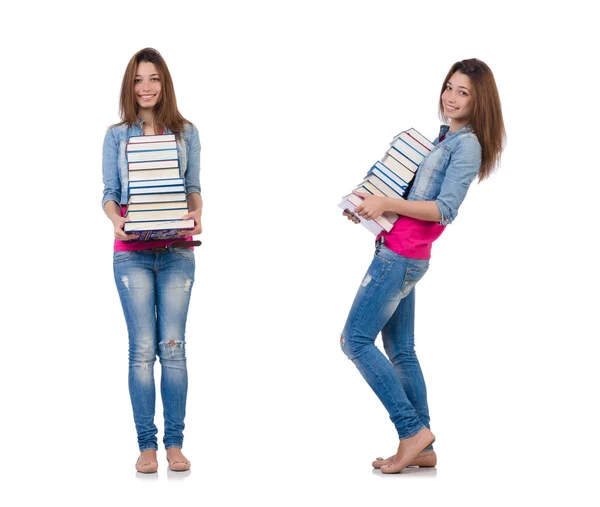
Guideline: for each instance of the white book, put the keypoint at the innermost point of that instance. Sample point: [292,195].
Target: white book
[392,152]
[160,164]
[400,169]
[158,225]
[143,156]
[145,197]
[146,206]
[156,190]
[154,174]
[168,145]
[151,215]
[155,183]
[150,139]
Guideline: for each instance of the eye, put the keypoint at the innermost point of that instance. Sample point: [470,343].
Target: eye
[155,79]
[137,80]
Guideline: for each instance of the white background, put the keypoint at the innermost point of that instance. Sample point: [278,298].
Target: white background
[294,101]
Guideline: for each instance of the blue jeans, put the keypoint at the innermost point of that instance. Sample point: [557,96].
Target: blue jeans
[155,289]
[385,302]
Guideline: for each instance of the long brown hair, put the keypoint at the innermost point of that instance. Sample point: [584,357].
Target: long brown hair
[166,113]
[486,119]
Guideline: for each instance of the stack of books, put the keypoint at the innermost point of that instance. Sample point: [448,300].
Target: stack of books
[390,177]
[157,198]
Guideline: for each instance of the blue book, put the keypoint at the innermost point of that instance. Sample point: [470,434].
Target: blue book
[389,177]
[156,183]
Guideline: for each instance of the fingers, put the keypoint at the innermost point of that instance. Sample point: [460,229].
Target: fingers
[351,216]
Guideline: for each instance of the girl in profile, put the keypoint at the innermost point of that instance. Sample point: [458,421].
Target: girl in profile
[154,278]
[469,147]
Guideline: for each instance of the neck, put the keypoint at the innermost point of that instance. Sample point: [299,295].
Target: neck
[454,125]
[148,116]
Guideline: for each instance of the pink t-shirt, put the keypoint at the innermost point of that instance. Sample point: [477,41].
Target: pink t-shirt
[121,246]
[412,238]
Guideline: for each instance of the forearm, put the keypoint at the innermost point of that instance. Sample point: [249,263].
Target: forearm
[422,210]
[112,210]
[194,201]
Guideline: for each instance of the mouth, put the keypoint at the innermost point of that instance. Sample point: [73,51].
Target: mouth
[450,108]
[146,97]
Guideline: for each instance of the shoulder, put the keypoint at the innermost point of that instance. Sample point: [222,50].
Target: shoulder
[190,134]
[117,132]
[189,130]
[468,144]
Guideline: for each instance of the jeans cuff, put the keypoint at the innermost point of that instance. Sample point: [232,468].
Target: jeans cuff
[173,444]
[147,447]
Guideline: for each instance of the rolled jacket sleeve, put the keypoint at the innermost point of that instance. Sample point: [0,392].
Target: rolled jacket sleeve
[462,170]
[110,169]
[192,172]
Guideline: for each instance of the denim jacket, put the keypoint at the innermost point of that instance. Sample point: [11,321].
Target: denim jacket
[445,174]
[114,160]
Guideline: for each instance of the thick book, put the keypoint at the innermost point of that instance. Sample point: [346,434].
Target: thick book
[143,156]
[159,225]
[409,164]
[155,215]
[151,139]
[165,196]
[153,206]
[155,164]
[158,235]
[169,182]
[156,190]
[160,145]
[400,169]
[154,174]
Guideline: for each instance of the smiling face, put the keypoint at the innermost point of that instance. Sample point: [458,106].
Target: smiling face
[147,88]
[457,100]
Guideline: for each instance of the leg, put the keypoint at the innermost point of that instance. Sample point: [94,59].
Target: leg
[399,344]
[175,278]
[386,283]
[134,277]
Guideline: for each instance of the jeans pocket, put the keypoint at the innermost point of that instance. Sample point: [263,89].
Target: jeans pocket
[187,254]
[414,272]
[384,254]
[122,256]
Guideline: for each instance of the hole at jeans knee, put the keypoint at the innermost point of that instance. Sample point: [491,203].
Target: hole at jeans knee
[341,340]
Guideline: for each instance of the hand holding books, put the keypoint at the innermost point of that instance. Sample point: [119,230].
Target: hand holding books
[373,206]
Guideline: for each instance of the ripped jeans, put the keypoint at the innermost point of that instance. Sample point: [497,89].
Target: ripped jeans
[385,302]
[155,289]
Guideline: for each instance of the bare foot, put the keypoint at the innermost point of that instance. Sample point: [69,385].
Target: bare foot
[408,450]
[177,461]
[147,463]
[424,459]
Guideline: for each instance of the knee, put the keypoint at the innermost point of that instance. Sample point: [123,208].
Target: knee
[142,352]
[347,347]
[171,350]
